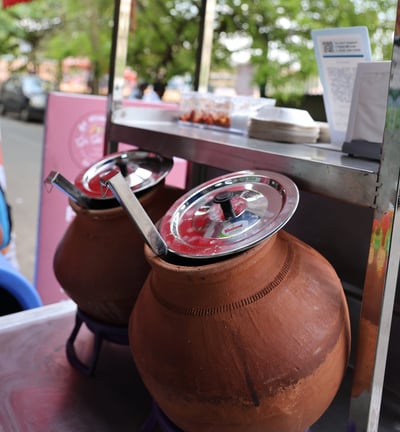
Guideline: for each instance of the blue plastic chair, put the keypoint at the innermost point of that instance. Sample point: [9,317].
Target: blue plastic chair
[12,281]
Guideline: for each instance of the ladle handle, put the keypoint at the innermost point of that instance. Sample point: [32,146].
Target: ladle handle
[132,205]
[58,180]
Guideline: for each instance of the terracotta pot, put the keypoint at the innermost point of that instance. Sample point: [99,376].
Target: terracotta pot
[256,342]
[99,262]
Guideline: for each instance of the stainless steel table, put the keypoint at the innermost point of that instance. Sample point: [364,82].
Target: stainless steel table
[42,392]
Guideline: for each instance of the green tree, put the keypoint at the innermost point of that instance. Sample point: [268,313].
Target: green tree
[87,27]
[280,43]
[9,39]
[58,29]
[165,40]
[278,36]
[29,26]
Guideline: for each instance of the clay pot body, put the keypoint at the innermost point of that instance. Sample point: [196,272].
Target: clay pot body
[257,342]
[99,262]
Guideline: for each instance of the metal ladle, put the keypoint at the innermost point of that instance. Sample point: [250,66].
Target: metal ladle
[58,180]
[132,205]
[75,194]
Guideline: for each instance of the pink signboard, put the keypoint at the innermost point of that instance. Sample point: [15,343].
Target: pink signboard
[73,141]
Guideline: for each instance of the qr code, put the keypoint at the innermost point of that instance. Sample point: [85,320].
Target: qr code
[327,47]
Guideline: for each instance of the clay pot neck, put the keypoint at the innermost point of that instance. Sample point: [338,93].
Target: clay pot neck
[222,286]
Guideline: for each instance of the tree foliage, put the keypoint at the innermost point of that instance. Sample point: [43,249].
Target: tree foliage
[278,35]
[58,29]
[9,37]
[25,29]
[86,33]
[165,42]
[280,32]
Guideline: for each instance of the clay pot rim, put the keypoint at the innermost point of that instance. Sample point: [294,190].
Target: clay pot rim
[230,260]
[144,197]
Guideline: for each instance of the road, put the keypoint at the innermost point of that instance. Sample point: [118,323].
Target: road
[22,153]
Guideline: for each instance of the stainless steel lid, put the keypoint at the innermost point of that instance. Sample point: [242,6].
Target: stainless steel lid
[141,170]
[229,214]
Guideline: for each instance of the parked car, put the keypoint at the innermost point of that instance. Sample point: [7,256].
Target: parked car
[25,95]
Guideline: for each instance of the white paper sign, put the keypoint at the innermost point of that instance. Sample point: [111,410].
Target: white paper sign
[338,52]
[368,106]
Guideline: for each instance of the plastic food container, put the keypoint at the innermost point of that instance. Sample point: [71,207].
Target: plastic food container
[219,111]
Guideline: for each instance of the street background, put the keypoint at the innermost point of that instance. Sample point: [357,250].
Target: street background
[22,152]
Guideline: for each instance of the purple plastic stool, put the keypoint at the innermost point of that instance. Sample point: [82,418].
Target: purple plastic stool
[101,331]
[157,417]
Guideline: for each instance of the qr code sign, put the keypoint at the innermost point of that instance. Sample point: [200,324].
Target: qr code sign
[327,47]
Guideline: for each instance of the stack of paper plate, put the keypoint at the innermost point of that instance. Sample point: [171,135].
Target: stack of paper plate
[324,134]
[288,125]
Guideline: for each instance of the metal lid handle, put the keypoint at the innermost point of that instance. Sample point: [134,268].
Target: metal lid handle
[224,199]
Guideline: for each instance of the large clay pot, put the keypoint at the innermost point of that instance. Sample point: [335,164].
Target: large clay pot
[256,342]
[99,262]
[239,326]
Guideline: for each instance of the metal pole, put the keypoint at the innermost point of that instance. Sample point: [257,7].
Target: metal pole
[204,51]
[382,270]
[198,173]
[119,49]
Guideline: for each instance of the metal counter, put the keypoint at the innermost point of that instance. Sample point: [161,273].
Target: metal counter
[314,167]
[42,392]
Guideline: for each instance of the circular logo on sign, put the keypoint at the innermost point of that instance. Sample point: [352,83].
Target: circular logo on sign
[87,139]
